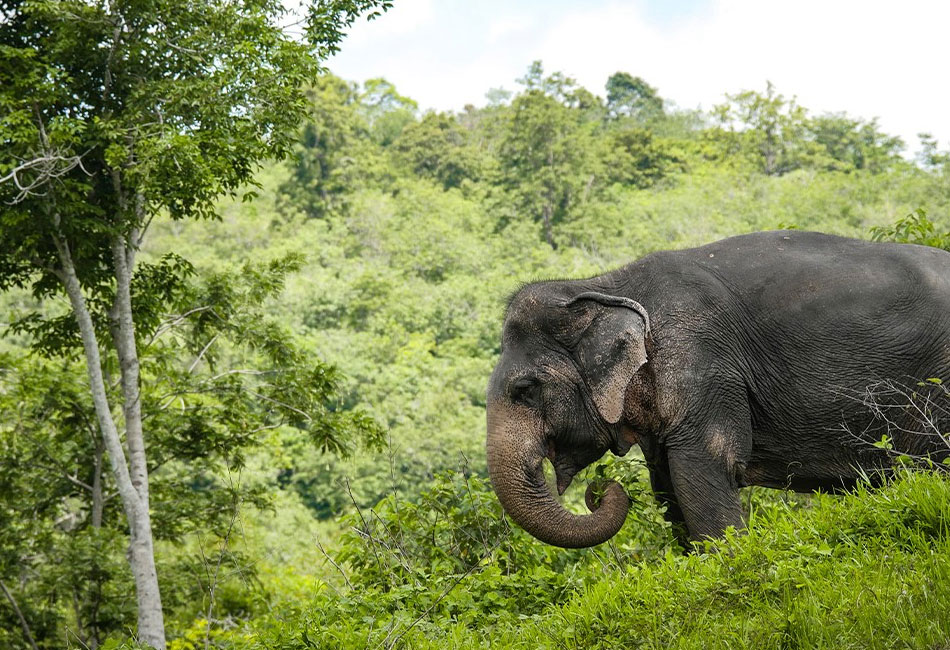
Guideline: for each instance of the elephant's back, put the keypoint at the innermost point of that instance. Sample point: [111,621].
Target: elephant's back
[814,275]
[807,308]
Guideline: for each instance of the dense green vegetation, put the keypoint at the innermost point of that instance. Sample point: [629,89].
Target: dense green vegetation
[865,571]
[315,390]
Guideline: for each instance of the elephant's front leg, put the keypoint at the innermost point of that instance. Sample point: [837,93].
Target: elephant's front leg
[662,485]
[704,481]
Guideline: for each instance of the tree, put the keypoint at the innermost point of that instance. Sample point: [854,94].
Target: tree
[326,161]
[770,129]
[385,110]
[545,152]
[113,113]
[634,157]
[629,96]
[854,144]
[342,143]
[929,156]
[438,147]
[218,372]
[60,558]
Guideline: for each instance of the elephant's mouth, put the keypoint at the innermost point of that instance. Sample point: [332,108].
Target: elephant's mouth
[565,467]
[623,442]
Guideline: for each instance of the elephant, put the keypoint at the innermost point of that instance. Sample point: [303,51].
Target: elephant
[741,362]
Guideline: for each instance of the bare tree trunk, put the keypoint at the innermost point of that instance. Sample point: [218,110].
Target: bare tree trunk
[98,505]
[151,628]
[547,210]
[546,213]
[588,186]
[770,152]
[19,615]
[98,498]
[142,553]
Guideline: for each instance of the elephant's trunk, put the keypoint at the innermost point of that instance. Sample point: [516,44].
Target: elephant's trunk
[516,450]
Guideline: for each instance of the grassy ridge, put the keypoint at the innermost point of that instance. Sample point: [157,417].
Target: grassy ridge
[868,570]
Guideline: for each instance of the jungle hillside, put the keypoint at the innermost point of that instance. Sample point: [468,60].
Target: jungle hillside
[248,320]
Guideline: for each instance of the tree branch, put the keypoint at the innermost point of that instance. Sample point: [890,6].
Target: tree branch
[202,353]
[46,168]
[171,322]
[19,615]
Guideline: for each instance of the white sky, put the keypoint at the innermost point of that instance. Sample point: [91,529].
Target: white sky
[871,58]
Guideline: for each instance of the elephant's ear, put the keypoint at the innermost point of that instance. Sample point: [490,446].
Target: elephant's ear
[612,349]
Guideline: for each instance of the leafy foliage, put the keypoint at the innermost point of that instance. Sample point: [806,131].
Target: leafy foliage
[404,550]
[777,584]
[324,167]
[437,147]
[915,228]
[776,136]
[415,229]
[632,97]
[217,374]
[115,113]
[780,585]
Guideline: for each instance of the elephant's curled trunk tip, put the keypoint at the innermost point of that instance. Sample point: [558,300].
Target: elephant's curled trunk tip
[611,493]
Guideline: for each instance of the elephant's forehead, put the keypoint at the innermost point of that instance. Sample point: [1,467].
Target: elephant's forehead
[529,301]
[522,335]
[515,332]
[529,348]
[519,340]
[543,324]
[527,311]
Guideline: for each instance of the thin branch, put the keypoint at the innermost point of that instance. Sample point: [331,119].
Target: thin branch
[265,428]
[202,353]
[395,548]
[892,404]
[16,608]
[75,481]
[335,565]
[359,512]
[285,405]
[107,84]
[77,612]
[392,477]
[217,569]
[164,327]
[242,371]
[46,168]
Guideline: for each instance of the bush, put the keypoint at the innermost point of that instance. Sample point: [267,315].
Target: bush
[417,555]
[915,228]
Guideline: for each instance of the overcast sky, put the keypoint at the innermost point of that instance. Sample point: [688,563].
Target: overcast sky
[870,59]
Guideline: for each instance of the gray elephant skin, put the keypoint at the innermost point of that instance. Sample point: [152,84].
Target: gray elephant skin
[742,362]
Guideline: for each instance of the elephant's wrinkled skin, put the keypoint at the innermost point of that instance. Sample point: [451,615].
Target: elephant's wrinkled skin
[738,363]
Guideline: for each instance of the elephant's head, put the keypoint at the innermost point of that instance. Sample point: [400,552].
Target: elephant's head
[558,392]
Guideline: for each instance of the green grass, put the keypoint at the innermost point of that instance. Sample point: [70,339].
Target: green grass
[868,570]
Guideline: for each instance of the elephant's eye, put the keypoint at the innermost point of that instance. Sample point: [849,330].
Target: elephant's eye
[527,391]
